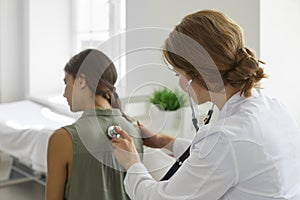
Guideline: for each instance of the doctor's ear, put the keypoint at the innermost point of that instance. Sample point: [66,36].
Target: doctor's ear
[193,75]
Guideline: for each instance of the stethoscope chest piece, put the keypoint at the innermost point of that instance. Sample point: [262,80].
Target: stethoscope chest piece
[111,132]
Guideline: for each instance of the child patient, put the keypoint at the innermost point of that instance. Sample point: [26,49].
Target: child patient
[81,164]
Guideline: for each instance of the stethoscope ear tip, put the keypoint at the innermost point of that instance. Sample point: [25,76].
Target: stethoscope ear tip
[187,85]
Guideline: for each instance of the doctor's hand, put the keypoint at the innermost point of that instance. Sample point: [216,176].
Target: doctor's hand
[155,140]
[124,149]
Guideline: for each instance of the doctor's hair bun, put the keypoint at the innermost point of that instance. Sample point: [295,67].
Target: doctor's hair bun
[246,72]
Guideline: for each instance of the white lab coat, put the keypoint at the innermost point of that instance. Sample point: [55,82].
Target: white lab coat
[251,152]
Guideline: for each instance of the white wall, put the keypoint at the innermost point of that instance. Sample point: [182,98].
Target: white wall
[144,64]
[13,63]
[280,49]
[35,45]
[49,44]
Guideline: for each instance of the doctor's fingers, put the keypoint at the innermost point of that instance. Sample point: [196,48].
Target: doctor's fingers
[122,133]
[125,145]
[123,142]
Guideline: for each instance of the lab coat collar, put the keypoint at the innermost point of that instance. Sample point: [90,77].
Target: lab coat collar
[233,101]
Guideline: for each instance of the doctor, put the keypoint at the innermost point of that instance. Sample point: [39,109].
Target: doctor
[251,152]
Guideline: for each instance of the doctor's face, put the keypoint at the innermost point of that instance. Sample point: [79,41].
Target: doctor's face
[183,78]
[197,92]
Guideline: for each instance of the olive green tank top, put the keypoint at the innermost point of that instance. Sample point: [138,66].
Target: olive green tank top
[95,173]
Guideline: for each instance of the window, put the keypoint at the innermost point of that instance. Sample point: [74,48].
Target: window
[90,23]
[95,22]
[72,26]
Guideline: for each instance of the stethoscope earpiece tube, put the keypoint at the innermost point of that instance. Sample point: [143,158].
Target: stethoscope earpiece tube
[194,119]
[186,154]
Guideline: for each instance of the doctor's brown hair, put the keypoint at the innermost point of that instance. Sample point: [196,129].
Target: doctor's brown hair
[222,40]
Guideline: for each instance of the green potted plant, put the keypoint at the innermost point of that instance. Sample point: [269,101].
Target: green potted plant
[168,103]
[167,100]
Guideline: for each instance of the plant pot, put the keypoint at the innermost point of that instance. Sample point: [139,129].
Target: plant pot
[162,120]
[170,119]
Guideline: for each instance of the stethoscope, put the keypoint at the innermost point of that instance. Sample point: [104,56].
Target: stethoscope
[111,129]
[194,119]
[111,133]
[186,153]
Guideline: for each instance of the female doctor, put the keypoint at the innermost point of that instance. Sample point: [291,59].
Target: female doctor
[251,152]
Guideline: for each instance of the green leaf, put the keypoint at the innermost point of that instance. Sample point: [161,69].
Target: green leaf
[167,100]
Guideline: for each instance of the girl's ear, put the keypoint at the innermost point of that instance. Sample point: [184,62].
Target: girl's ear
[82,81]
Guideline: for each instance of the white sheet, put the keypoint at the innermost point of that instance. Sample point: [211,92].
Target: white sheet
[25,127]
